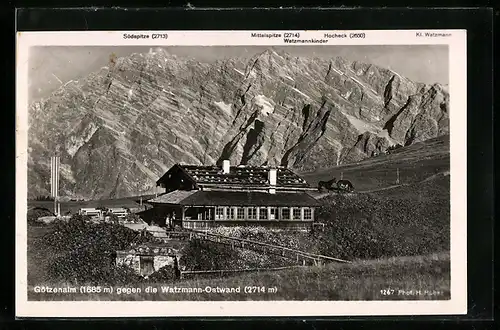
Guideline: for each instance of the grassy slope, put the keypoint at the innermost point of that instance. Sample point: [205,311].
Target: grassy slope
[407,220]
[416,163]
[363,280]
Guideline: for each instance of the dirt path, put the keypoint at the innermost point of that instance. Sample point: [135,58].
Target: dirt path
[385,188]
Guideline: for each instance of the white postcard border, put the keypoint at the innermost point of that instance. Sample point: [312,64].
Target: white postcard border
[456,41]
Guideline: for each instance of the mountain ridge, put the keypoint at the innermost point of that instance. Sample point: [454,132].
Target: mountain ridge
[121,127]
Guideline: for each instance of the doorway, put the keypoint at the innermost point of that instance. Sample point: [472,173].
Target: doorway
[147,265]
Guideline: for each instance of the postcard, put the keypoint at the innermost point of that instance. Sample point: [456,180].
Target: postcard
[241,173]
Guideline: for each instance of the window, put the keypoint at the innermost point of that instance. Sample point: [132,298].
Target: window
[231,214]
[240,213]
[252,213]
[296,213]
[285,213]
[219,213]
[263,213]
[273,213]
[307,214]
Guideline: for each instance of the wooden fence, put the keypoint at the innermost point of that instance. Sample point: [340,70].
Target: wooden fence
[221,272]
[301,257]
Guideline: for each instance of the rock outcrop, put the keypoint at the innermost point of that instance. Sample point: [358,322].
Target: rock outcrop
[120,128]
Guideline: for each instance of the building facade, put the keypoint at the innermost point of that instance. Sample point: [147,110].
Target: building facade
[203,197]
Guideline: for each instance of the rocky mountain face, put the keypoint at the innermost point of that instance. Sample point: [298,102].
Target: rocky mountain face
[119,129]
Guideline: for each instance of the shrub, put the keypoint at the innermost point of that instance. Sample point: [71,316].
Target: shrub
[88,250]
[164,274]
[34,214]
[133,218]
[204,255]
[93,265]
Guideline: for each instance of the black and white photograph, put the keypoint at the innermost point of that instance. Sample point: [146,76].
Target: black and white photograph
[287,172]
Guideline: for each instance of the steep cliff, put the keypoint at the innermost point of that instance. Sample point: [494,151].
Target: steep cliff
[120,128]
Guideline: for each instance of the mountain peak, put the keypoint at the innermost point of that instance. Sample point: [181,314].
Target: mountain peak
[138,120]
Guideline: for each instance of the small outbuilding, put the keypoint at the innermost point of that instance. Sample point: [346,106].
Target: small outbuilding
[147,259]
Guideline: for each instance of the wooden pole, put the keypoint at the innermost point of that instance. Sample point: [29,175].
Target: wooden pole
[397,173]
[341,175]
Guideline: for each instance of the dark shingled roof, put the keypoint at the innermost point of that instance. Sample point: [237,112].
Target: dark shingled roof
[243,175]
[239,198]
[174,197]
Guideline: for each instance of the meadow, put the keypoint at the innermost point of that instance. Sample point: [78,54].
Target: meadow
[403,278]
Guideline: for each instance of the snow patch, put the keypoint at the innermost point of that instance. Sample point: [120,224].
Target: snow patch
[356,80]
[130,92]
[60,81]
[276,54]
[385,134]
[265,104]
[67,173]
[75,142]
[347,95]
[239,71]
[361,126]
[295,89]
[68,82]
[339,72]
[169,92]
[397,74]
[227,108]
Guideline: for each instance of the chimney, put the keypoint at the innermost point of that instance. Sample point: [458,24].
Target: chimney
[272,180]
[225,166]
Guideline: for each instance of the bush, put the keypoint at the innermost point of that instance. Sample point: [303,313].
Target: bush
[93,265]
[133,218]
[35,213]
[290,239]
[165,274]
[204,255]
[87,250]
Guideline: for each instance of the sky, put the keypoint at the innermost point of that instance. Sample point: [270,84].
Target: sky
[52,66]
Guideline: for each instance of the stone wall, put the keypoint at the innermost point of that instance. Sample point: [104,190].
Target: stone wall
[129,260]
[134,261]
[162,261]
